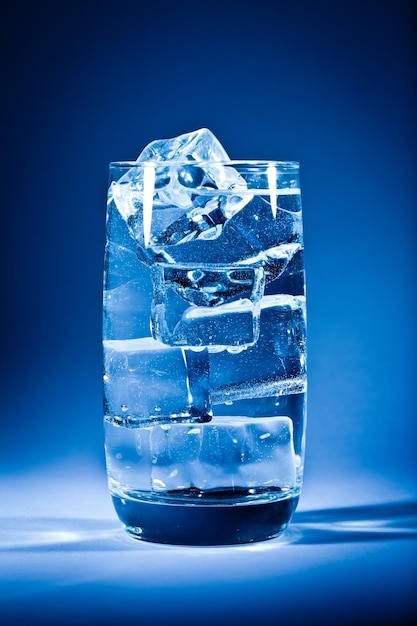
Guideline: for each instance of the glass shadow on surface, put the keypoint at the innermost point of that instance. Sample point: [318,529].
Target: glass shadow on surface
[365,523]
[395,520]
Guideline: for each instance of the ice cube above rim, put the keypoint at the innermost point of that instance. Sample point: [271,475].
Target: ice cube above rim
[201,145]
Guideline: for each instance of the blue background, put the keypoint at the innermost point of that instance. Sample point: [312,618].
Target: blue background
[330,84]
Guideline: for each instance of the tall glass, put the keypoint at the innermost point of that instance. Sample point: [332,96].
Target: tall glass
[204,335]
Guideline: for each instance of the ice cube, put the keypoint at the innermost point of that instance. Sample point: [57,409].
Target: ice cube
[275,364]
[148,382]
[173,189]
[244,237]
[206,306]
[191,205]
[174,185]
[228,454]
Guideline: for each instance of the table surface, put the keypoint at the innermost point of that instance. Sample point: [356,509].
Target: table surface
[349,557]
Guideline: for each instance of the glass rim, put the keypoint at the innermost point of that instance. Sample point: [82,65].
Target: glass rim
[238,163]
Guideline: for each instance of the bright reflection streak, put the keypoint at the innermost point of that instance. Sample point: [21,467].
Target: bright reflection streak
[53,533]
[148,190]
[37,539]
[272,185]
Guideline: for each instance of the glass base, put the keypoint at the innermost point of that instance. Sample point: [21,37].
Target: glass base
[190,523]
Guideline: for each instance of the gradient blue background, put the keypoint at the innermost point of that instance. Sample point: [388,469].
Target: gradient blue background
[330,84]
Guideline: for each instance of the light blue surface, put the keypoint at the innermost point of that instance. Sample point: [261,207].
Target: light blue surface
[349,557]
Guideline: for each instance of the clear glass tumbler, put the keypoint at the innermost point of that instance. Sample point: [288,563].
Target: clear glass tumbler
[204,336]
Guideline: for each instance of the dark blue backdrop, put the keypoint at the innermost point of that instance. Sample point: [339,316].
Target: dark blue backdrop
[330,84]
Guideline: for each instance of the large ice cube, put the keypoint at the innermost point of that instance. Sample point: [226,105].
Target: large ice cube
[275,364]
[242,238]
[146,381]
[176,186]
[164,204]
[206,306]
[226,455]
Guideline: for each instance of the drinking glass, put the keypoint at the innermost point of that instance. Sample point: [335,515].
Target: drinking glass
[204,343]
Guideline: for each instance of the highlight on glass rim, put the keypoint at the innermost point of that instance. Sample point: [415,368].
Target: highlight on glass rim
[204,343]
